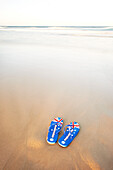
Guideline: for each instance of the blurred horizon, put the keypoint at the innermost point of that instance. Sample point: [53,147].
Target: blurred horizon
[56,13]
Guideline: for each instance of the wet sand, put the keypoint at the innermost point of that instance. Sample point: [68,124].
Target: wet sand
[40,83]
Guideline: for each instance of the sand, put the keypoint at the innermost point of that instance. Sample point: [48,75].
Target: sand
[38,84]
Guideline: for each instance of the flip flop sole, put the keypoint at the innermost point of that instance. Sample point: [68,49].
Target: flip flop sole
[68,137]
[64,146]
[53,139]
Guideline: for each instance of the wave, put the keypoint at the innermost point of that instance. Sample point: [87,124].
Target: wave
[91,28]
[90,31]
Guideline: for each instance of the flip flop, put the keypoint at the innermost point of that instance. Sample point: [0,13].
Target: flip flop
[70,133]
[54,129]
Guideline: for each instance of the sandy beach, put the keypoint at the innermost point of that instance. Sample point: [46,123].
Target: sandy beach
[42,78]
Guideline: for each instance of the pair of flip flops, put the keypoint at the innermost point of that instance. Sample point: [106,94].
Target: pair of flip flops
[70,132]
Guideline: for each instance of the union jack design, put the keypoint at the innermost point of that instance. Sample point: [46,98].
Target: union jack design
[59,120]
[75,124]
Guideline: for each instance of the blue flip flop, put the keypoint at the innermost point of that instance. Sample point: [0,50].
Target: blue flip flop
[70,133]
[54,129]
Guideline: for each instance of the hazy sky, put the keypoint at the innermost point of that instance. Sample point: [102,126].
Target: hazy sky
[56,12]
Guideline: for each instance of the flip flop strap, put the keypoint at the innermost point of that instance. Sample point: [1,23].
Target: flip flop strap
[72,126]
[67,126]
[70,131]
[53,124]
